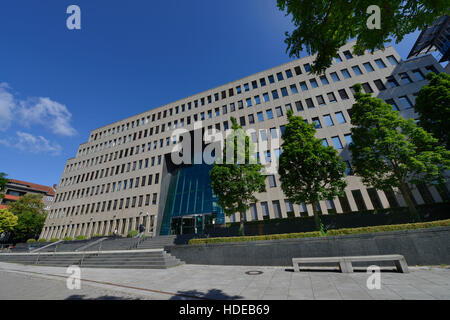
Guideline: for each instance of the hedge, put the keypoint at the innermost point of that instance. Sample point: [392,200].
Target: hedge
[31,240]
[334,232]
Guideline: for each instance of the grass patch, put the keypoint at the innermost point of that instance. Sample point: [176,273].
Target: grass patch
[332,232]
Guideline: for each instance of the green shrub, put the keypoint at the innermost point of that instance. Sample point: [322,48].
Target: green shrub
[132,233]
[42,240]
[67,239]
[31,241]
[81,237]
[54,239]
[97,235]
[332,232]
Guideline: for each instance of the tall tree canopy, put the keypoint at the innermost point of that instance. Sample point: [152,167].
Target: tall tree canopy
[7,220]
[3,181]
[31,216]
[433,107]
[309,171]
[323,27]
[389,150]
[236,177]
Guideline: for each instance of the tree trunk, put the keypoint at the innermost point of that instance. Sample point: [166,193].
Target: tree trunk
[241,227]
[317,220]
[412,209]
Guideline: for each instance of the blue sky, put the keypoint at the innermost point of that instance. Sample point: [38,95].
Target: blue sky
[56,85]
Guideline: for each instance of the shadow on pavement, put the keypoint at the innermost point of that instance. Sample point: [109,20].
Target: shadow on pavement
[213,294]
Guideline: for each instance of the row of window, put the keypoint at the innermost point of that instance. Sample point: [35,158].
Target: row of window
[109,187]
[280,76]
[105,227]
[105,206]
[119,169]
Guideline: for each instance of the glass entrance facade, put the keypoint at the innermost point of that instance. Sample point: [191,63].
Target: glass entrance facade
[191,203]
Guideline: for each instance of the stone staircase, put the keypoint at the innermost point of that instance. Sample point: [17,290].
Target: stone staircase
[127,259]
[157,242]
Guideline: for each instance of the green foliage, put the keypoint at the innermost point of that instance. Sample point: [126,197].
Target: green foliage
[3,181]
[323,27]
[31,240]
[31,216]
[433,107]
[54,240]
[236,176]
[309,171]
[388,150]
[97,235]
[42,240]
[132,233]
[333,232]
[67,239]
[7,220]
[81,237]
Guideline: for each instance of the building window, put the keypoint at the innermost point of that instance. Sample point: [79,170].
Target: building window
[348,55]
[392,60]
[331,97]
[280,76]
[260,116]
[393,104]
[275,94]
[335,77]
[298,71]
[404,78]
[374,198]
[265,209]
[307,67]
[357,195]
[367,88]
[303,86]
[262,82]
[316,123]
[294,89]
[272,181]
[337,142]
[405,102]
[418,74]
[328,120]
[324,80]
[345,73]
[309,103]
[343,94]
[266,97]
[269,114]
[279,112]
[368,67]
[379,84]
[348,138]
[313,83]
[320,100]
[271,79]
[357,70]
[284,92]
[277,209]
[325,142]
[289,73]
[299,106]
[338,58]
[380,63]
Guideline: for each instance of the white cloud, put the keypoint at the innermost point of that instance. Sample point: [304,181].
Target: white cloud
[36,144]
[7,106]
[48,113]
[41,111]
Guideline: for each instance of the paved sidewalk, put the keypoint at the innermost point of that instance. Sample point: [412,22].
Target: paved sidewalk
[219,282]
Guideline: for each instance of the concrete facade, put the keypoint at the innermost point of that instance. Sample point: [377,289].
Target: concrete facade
[88,201]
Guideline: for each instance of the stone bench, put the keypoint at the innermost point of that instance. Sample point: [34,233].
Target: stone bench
[345,263]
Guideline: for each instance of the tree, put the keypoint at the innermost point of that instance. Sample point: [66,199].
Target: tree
[323,27]
[7,221]
[389,150]
[3,182]
[236,176]
[31,216]
[309,171]
[433,107]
